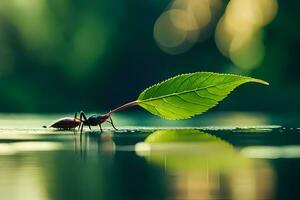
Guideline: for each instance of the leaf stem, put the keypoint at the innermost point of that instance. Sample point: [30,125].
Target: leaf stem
[127,105]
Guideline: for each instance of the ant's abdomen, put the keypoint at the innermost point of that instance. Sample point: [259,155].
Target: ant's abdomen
[65,123]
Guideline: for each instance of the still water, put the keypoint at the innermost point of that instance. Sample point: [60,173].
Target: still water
[245,162]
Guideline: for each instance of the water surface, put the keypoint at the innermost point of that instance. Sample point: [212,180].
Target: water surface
[187,161]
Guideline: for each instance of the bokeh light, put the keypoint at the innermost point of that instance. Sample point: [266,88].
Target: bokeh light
[184,24]
[70,49]
[239,31]
[167,35]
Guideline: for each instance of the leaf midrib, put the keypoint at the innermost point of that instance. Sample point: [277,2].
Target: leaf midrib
[175,94]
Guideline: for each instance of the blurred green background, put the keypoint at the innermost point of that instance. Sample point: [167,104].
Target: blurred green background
[71,55]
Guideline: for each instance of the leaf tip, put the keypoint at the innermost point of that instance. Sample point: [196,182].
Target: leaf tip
[262,82]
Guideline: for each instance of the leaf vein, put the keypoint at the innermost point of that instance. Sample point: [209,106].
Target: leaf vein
[168,102]
[205,97]
[183,82]
[213,93]
[200,104]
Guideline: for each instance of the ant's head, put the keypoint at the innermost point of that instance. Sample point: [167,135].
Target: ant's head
[104,117]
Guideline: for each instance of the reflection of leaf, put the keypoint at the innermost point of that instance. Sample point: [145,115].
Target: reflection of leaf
[163,136]
[196,161]
[188,150]
[187,95]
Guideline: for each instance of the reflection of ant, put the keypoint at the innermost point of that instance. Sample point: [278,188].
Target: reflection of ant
[67,123]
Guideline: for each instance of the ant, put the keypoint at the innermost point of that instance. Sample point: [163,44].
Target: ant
[68,123]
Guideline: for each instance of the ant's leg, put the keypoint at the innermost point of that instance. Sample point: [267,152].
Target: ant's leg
[75,115]
[82,115]
[112,124]
[100,128]
[81,123]
[80,119]
[81,128]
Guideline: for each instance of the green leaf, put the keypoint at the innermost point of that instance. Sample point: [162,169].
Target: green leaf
[186,95]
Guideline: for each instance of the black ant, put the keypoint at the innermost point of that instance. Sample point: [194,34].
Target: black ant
[68,123]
